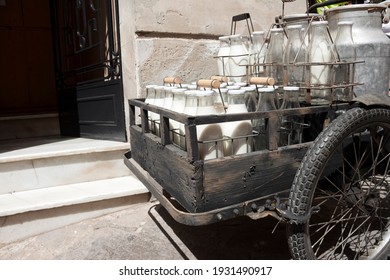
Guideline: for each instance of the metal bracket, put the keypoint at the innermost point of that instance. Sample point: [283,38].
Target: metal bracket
[292,218]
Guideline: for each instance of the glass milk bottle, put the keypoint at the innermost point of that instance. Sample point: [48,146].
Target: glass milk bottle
[158,101]
[251,97]
[177,128]
[267,102]
[238,58]
[346,51]
[149,99]
[223,55]
[290,126]
[150,94]
[220,105]
[274,55]
[239,132]
[168,99]
[320,50]
[295,53]
[257,51]
[208,149]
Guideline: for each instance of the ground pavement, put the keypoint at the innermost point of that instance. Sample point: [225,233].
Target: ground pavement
[145,231]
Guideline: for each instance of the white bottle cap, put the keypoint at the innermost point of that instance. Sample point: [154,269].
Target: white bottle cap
[291,88]
[233,87]
[266,89]
[151,86]
[178,90]
[236,91]
[204,92]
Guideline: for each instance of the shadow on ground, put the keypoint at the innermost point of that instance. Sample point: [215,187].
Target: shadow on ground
[237,239]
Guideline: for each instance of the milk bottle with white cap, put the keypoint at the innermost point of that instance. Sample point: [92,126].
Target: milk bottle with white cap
[199,102]
[238,132]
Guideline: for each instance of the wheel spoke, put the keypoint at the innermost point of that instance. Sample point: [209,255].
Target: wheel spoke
[346,175]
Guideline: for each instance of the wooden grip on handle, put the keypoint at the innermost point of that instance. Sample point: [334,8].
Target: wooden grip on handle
[262,81]
[208,83]
[172,80]
[222,79]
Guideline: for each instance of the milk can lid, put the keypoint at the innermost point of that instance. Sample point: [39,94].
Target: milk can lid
[295,26]
[258,33]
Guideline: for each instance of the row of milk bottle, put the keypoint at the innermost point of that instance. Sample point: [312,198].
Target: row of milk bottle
[285,53]
[227,138]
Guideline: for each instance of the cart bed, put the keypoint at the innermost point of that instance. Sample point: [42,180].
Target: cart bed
[207,186]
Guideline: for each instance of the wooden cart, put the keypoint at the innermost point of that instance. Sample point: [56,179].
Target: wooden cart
[332,190]
[279,181]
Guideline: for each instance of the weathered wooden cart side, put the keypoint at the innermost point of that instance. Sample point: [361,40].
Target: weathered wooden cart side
[217,189]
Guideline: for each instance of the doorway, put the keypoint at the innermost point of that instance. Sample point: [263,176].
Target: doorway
[63,57]
[27,79]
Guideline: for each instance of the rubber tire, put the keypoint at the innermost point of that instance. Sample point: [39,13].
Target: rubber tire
[311,168]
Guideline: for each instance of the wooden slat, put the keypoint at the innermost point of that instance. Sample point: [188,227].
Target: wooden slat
[245,177]
[170,168]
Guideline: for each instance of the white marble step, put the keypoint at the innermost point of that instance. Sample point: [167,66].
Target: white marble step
[58,196]
[30,164]
[47,147]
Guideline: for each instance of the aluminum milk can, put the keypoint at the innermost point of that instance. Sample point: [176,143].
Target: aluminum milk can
[371,43]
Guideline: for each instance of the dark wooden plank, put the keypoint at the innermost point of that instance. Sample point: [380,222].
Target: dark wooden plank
[169,166]
[236,179]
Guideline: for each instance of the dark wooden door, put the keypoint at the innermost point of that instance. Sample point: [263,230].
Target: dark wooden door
[27,81]
[88,68]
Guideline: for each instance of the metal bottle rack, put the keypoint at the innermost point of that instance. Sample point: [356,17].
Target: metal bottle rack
[252,69]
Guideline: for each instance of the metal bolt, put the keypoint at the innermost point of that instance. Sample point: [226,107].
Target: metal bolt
[254,207]
[219,216]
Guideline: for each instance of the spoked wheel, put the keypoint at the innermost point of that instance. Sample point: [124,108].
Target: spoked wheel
[339,204]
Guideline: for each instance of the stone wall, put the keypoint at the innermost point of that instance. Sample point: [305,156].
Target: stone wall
[162,38]
[179,38]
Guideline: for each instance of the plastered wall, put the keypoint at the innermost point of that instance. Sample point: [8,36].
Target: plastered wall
[165,37]
[162,38]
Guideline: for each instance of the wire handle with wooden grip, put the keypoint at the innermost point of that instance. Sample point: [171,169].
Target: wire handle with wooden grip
[172,80]
[208,83]
[262,81]
[222,79]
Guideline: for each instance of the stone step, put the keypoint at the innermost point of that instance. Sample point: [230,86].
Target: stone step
[59,196]
[27,126]
[36,163]
[51,182]
[29,213]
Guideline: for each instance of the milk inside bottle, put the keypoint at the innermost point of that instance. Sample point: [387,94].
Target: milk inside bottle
[149,99]
[201,102]
[177,128]
[239,133]
[158,101]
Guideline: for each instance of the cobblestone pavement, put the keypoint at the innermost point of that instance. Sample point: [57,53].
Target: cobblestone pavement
[145,231]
